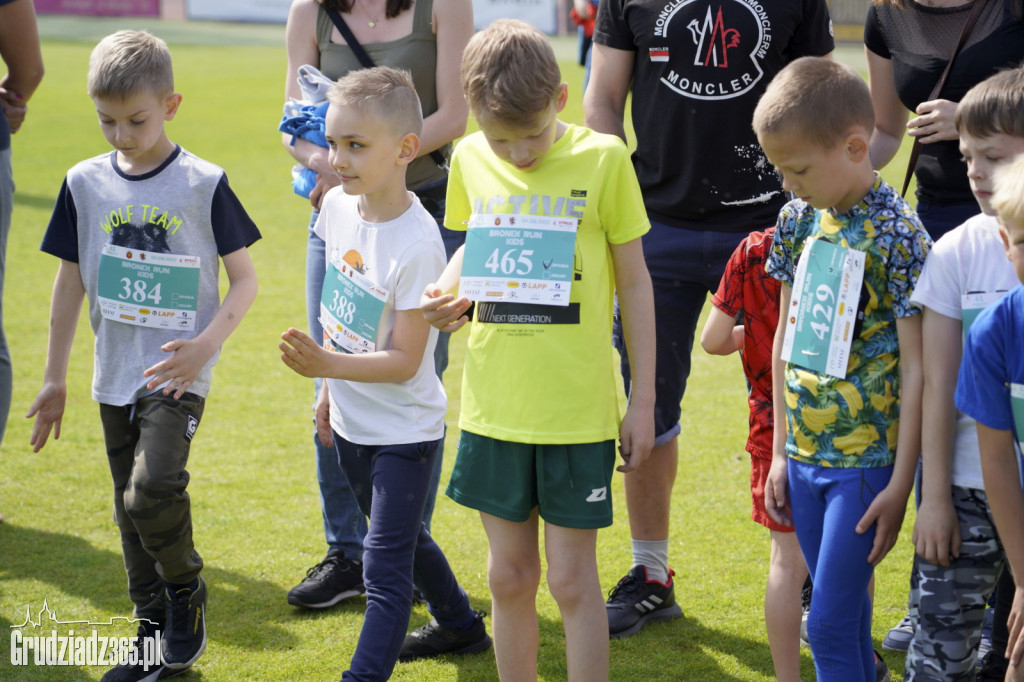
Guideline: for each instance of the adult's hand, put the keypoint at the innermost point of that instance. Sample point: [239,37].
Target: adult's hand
[934,121]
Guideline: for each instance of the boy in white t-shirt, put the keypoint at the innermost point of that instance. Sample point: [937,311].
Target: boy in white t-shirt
[959,555]
[382,406]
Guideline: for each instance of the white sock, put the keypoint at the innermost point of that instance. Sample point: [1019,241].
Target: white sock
[652,555]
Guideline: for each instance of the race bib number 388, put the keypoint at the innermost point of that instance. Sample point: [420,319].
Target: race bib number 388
[823,308]
[519,259]
[351,306]
[148,289]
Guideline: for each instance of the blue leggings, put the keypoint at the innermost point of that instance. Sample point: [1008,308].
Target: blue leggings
[826,504]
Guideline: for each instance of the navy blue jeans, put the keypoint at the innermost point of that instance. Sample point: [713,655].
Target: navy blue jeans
[391,483]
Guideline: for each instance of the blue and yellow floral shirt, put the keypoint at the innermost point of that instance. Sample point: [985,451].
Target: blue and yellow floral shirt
[853,422]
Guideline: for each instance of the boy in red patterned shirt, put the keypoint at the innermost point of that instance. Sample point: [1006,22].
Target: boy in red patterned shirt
[743,317]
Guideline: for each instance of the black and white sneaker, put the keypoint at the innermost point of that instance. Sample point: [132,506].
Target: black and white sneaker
[330,581]
[137,668]
[433,639]
[637,601]
[184,639]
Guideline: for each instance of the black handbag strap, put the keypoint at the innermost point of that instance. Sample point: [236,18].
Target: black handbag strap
[972,19]
[367,63]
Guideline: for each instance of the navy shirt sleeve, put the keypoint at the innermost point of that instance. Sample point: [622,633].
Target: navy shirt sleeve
[61,237]
[233,229]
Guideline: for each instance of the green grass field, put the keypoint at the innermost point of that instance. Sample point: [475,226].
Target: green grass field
[256,508]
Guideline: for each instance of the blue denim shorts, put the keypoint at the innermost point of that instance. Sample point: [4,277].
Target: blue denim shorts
[685,266]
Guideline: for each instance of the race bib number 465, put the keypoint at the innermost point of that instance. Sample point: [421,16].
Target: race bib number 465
[519,259]
[823,308]
[148,289]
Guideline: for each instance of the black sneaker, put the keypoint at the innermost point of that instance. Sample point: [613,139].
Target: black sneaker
[141,670]
[637,601]
[184,639]
[881,669]
[333,579]
[434,639]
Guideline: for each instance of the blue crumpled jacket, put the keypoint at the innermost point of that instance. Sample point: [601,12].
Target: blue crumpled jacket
[305,118]
[308,124]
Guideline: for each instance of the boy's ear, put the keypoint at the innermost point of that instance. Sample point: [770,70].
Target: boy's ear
[857,146]
[562,98]
[1004,234]
[408,148]
[171,105]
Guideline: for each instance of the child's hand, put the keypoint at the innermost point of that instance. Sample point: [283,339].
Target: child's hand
[322,418]
[303,355]
[887,510]
[636,438]
[776,491]
[48,409]
[1015,642]
[188,356]
[443,311]
[937,531]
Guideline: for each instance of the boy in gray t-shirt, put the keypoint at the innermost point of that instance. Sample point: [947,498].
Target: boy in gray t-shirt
[139,231]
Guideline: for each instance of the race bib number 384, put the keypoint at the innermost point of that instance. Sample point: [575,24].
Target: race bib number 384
[823,308]
[148,289]
[519,259]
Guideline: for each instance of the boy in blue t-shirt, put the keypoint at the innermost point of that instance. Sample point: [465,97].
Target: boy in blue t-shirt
[847,367]
[142,231]
[990,389]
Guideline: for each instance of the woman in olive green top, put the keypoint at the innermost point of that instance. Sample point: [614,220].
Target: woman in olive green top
[425,37]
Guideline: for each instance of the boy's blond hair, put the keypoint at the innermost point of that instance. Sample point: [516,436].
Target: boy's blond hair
[509,72]
[383,92]
[993,106]
[819,98]
[1008,191]
[128,63]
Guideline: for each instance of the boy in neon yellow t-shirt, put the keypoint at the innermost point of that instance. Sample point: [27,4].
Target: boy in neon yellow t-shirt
[539,408]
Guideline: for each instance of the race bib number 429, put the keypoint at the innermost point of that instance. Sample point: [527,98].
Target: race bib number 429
[823,308]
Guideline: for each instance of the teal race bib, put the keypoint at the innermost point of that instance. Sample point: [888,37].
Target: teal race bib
[148,289]
[519,259]
[823,308]
[1017,404]
[351,306]
[973,303]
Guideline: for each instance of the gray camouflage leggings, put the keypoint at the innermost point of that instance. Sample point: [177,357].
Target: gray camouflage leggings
[950,600]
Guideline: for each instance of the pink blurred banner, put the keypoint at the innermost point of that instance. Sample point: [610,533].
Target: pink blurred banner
[100,8]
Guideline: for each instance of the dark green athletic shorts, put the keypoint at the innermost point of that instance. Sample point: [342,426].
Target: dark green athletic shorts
[570,484]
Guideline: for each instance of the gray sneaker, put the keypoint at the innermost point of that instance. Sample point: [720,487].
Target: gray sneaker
[637,601]
[898,638]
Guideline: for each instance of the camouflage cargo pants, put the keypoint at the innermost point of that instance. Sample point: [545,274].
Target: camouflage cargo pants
[950,600]
[147,450]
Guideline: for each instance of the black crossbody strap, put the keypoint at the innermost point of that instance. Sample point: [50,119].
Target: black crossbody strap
[972,19]
[367,63]
[350,38]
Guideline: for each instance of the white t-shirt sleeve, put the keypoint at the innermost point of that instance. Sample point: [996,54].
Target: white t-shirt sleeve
[422,263]
[941,284]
